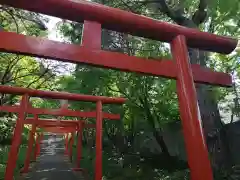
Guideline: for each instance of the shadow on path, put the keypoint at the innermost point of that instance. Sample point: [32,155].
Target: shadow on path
[52,164]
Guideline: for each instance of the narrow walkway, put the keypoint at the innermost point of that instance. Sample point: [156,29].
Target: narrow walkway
[52,164]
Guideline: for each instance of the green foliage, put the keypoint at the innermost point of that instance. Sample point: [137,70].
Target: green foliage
[7,125]
[152,107]
[21,70]
[117,167]
[3,159]
[6,129]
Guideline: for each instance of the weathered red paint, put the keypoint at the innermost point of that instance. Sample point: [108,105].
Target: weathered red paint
[12,109]
[197,152]
[37,144]
[42,121]
[59,112]
[30,146]
[91,37]
[48,125]
[67,112]
[54,122]
[71,145]
[98,163]
[66,144]
[60,95]
[15,43]
[61,130]
[16,140]
[122,21]
[79,143]
[55,128]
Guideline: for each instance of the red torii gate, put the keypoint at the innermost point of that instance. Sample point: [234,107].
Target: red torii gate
[24,108]
[70,129]
[36,150]
[63,126]
[63,130]
[96,17]
[56,126]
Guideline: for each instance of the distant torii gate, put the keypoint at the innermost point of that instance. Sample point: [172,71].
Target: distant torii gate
[70,126]
[64,126]
[96,17]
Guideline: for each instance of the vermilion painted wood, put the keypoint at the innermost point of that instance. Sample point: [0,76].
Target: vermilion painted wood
[30,145]
[71,145]
[94,29]
[65,112]
[51,121]
[92,33]
[98,161]
[197,152]
[71,128]
[66,144]
[15,43]
[60,95]
[11,109]
[79,144]
[59,112]
[43,125]
[16,140]
[122,21]
[54,122]
[37,144]
[59,129]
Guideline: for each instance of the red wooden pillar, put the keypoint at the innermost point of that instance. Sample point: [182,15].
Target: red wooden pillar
[66,144]
[98,163]
[39,144]
[36,146]
[197,152]
[30,146]
[16,140]
[71,145]
[92,33]
[92,39]
[79,144]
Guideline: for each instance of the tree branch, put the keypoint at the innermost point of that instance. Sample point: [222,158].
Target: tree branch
[31,18]
[201,14]
[13,18]
[45,80]
[126,95]
[36,80]
[175,15]
[129,7]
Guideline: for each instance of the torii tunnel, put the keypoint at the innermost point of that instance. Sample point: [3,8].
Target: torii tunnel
[55,126]
[95,17]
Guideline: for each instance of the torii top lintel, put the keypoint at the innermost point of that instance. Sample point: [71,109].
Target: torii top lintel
[60,95]
[123,21]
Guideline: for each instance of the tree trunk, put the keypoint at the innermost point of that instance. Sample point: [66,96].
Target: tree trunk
[159,138]
[209,110]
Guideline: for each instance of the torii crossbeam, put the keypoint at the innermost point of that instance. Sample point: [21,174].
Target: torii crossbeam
[58,126]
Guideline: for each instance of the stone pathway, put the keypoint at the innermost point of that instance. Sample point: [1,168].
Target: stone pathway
[52,164]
